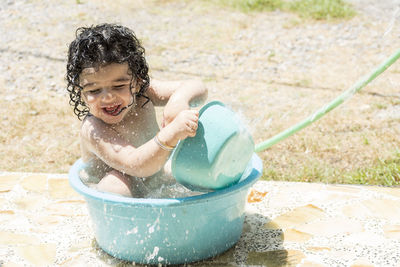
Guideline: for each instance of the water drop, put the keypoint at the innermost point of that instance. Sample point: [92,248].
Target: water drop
[133,231]
[153,254]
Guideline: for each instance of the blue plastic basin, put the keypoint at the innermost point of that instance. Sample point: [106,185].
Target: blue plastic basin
[168,231]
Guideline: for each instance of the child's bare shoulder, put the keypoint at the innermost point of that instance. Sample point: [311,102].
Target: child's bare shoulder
[92,129]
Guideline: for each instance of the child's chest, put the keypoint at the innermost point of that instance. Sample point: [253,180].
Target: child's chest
[140,126]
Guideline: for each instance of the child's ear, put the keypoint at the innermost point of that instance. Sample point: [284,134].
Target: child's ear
[135,86]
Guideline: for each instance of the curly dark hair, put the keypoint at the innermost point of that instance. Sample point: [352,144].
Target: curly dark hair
[98,46]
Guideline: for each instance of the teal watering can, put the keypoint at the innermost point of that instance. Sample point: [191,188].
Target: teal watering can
[219,154]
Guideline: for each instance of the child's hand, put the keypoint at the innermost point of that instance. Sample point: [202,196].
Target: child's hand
[185,124]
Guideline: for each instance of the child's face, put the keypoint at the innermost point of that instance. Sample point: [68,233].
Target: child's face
[106,91]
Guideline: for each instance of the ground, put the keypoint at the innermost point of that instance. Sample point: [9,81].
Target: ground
[272,68]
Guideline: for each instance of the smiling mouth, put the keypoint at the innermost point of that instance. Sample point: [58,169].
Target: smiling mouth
[113,110]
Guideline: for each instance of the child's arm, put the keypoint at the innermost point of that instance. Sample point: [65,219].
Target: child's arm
[143,161]
[176,96]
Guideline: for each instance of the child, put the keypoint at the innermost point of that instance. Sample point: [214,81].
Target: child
[110,89]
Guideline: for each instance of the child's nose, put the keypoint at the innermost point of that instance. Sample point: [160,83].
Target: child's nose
[107,95]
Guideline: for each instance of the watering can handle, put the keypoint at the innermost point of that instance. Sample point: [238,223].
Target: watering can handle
[328,107]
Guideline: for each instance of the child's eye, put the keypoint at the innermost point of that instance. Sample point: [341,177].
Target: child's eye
[94,91]
[119,86]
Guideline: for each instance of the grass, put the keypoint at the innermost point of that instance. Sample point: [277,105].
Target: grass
[322,9]
[383,172]
[314,9]
[252,5]
[41,136]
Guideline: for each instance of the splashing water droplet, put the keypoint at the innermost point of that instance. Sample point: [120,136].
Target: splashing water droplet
[153,254]
[133,231]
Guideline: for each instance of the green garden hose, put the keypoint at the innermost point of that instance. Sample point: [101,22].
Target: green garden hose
[328,107]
